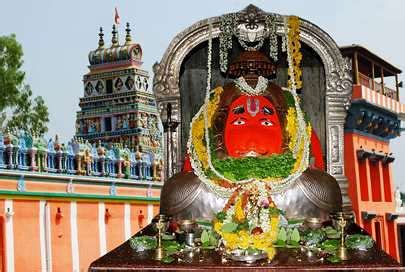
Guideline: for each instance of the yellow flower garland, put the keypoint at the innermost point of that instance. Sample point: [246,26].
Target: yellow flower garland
[197,134]
[294,46]
[298,134]
[197,128]
[239,213]
[300,153]
[243,240]
[291,127]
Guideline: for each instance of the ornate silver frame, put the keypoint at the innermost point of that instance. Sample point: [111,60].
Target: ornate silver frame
[338,87]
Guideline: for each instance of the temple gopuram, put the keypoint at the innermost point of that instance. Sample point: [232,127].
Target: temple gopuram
[118,106]
[65,204]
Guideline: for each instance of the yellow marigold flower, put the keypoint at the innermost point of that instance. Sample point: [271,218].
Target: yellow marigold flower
[259,241]
[231,240]
[213,104]
[300,153]
[271,252]
[294,47]
[198,128]
[217,226]
[244,240]
[291,127]
[198,141]
[239,212]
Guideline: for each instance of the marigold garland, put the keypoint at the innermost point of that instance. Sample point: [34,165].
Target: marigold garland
[291,128]
[254,217]
[294,47]
[270,168]
[250,218]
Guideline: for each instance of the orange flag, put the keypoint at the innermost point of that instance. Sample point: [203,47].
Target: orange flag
[116,17]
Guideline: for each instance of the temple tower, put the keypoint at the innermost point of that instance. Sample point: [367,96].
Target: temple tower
[118,106]
[372,121]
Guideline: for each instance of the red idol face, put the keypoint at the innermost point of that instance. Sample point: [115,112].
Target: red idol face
[252,128]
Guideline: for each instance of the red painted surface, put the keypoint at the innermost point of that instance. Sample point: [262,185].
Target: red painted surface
[2,238]
[316,151]
[136,211]
[386,173]
[114,225]
[26,235]
[363,180]
[254,120]
[88,233]
[60,235]
[375,182]
[370,190]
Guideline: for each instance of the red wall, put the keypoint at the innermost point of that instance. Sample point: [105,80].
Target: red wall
[371,189]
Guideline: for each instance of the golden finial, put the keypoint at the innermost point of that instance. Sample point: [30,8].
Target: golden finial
[128,38]
[101,40]
[114,38]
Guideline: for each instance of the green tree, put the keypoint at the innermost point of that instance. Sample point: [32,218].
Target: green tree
[18,109]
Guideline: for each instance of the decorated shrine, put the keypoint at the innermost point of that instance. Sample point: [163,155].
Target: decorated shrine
[255,157]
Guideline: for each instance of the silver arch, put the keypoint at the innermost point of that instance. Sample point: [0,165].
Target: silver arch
[338,87]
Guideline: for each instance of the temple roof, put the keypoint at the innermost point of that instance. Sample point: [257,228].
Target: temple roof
[349,50]
[128,52]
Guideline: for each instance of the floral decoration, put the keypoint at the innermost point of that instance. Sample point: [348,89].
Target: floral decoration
[250,218]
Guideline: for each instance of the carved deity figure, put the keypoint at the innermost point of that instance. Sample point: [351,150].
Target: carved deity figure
[251,135]
[125,122]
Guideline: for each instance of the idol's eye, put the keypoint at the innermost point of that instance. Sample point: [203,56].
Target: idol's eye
[267,110]
[266,123]
[239,122]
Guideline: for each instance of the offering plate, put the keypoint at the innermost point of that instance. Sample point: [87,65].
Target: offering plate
[242,255]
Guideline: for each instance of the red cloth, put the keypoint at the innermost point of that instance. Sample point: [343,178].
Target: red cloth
[316,152]
[187,164]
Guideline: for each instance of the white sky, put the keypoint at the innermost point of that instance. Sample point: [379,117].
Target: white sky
[57,36]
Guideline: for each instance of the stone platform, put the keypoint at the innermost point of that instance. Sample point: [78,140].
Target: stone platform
[124,258]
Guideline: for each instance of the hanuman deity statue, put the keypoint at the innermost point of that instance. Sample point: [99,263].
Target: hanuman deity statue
[251,140]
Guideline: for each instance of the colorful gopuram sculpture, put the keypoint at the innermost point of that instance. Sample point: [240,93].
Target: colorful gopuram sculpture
[118,106]
[77,157]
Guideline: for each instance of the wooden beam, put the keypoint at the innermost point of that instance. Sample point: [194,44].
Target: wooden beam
[356,68]
[396,86]
[382,80]
[372,75]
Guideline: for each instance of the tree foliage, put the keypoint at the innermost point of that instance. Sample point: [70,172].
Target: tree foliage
[18,108]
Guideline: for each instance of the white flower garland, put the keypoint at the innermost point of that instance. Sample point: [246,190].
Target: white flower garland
[245,88]
[276,186]
[250,48]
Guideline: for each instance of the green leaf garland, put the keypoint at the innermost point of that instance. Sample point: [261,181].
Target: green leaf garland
[274,166]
